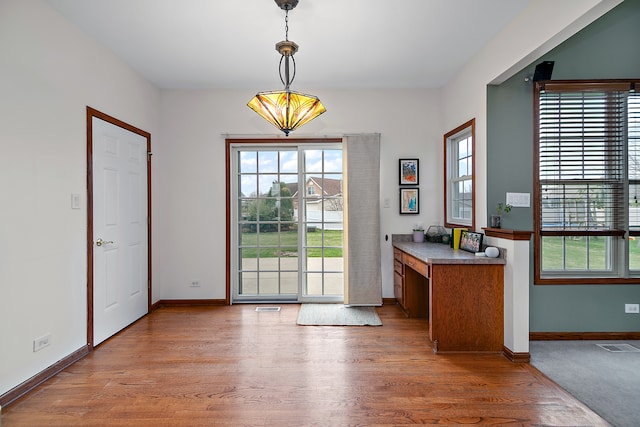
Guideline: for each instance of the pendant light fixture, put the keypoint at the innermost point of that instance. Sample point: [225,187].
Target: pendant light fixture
[285,109]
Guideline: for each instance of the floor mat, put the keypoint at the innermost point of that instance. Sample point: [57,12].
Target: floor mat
[337,315]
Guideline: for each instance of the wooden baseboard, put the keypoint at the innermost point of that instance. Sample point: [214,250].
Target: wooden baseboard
[20,390]
[389,301]
[188,303]
[576,336]
[516,357]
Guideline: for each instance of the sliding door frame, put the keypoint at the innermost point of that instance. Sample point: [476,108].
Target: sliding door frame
[229,144]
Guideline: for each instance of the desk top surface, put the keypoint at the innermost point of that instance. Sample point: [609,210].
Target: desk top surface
[439,253]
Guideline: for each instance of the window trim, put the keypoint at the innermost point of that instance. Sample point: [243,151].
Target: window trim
[448,137]
[618,276]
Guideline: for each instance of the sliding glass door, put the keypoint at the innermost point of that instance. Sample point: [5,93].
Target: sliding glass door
[287,233]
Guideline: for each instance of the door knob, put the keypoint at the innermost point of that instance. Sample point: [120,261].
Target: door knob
[101,242]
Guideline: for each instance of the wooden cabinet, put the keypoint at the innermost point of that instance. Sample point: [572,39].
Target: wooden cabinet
[463,300]
[398,277]
[466,307]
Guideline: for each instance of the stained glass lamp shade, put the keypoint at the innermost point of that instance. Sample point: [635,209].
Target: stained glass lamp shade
[286,110]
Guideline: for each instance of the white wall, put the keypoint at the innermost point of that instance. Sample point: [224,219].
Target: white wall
[49,73]
[189,165]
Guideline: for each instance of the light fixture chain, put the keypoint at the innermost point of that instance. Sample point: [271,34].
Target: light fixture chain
[286,25]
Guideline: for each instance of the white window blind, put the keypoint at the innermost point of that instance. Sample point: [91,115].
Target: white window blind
[582,161]
[634,162]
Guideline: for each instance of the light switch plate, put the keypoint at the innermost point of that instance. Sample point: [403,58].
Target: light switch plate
[519,200]
[75,201]
[632,308]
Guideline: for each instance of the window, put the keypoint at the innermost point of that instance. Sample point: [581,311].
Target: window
[459,176]
[587,176]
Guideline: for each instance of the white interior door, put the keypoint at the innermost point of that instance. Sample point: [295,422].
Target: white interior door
[120,248]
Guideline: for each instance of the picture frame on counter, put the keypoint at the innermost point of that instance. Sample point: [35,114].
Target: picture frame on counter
[471,241]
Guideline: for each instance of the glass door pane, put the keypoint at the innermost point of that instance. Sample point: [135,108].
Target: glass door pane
[288,226]
[323,225]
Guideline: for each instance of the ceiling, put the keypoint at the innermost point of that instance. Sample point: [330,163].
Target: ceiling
[355,44]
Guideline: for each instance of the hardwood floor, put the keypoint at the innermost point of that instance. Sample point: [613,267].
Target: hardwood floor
[235,366]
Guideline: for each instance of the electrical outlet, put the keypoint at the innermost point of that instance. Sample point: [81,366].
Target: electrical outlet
[632,308]
[41,342]
[195,283]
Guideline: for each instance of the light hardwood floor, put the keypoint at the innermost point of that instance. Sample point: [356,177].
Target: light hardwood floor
[238,367]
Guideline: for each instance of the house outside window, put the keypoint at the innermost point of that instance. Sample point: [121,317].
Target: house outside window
[459,176]
[587,180]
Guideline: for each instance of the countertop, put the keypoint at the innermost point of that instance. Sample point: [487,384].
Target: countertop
[439,253]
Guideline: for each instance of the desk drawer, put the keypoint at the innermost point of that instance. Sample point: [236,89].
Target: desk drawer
[415,264]
[398,289]
[397,267]
[397,254]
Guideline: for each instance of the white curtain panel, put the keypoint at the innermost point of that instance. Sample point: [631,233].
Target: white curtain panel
[363,277]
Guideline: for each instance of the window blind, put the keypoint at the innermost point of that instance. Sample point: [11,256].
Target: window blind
[581,160]
[634,162]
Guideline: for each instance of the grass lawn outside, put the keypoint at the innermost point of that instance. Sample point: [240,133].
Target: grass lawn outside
[285,243]
[583,253]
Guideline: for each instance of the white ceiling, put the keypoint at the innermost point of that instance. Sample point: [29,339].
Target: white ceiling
[343,43]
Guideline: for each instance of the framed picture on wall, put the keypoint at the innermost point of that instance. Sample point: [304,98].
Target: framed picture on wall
[408,171]
[470,241]
[409,201]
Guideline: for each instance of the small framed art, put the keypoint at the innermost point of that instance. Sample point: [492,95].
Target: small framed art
[408,171]
[470,241]
[409,201]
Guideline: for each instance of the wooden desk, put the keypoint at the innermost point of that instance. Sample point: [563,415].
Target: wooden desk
[411,284]
[461,294]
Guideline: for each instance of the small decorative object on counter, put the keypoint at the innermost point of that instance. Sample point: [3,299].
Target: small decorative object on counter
[418,234]
[492,252]
[435,233]
[446,239]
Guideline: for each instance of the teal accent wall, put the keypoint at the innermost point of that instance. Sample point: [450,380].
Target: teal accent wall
[609,48]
